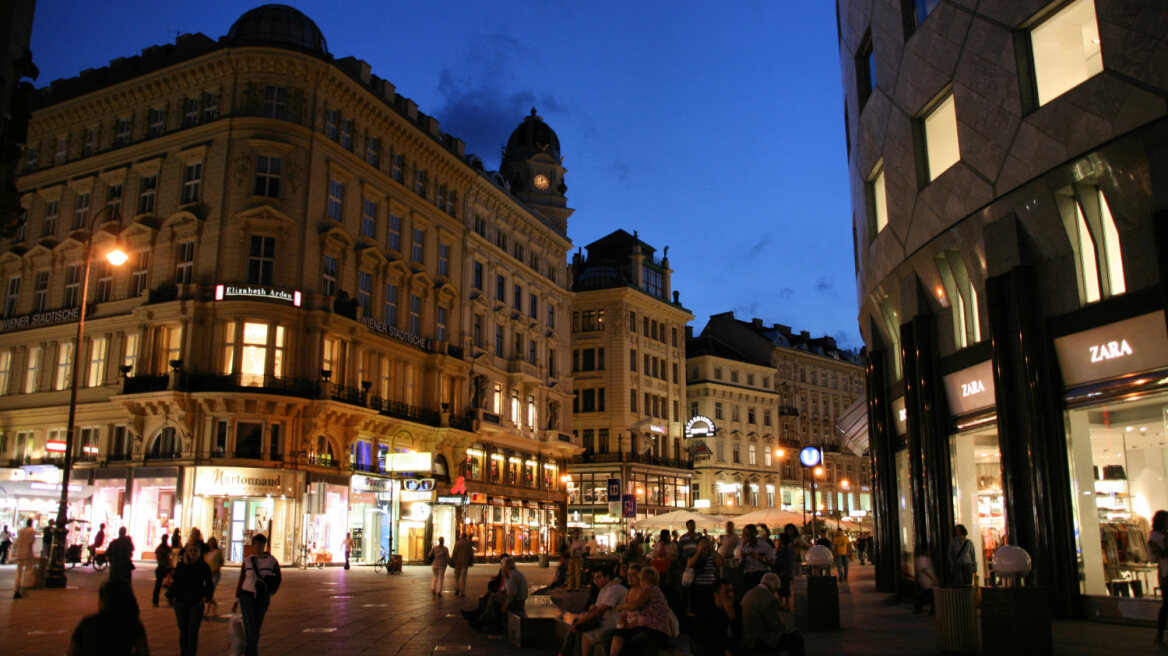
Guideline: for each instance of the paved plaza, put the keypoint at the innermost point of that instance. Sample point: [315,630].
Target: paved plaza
[335,612]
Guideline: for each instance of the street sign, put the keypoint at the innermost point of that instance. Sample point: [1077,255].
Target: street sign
[614,491]
[810,456]
[630,507]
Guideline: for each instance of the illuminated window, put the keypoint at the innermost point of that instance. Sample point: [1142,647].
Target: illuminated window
[5,371]
[1065,49]
[32,370]
[130,352]
[941,146]
[1094,238]
[961,296]
[98,351]
[64,366]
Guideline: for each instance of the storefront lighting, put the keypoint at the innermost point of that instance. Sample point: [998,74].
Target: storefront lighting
[548,465]
[496,456]
[819,471]
[640,490]
[474,452]
[780,453]
[514,460]
[531,463]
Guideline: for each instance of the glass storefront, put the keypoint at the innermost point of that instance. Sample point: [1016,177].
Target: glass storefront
[155,509]
[905,513]
[232,504]
[978,503]
[370,514]
[327,521]
[521,528]
[1118,455]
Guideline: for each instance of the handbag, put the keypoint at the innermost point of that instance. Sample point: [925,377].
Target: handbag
[169,579]
[687,577]
[236,635]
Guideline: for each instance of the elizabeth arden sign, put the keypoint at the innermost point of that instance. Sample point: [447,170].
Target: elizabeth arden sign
[239,482]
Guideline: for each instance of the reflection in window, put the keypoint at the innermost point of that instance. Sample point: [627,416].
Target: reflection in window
[1094,239]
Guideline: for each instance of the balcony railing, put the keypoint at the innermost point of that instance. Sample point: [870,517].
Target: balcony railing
[237,382]
[462,422]
[646,459]
[145,384]
[409,412]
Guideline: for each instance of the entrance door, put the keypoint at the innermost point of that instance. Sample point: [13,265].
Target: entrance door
[417,542]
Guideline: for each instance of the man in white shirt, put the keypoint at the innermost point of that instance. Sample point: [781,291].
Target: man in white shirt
[726,547]
[25,561]
[595,625]
[594,547]
[756,556]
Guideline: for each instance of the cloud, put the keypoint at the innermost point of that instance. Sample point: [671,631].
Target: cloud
[745,311]
[482,105]
[620,170]
[786,293]
[758,247]
[823,285]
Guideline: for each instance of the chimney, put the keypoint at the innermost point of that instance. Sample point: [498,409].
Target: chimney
[756,322]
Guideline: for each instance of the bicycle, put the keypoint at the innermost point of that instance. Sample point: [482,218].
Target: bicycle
[302,561]
[382,563]
[99,562]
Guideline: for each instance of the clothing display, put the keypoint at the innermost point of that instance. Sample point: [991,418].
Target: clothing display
[1125,550]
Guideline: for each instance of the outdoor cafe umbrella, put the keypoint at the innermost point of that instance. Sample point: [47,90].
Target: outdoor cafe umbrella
[677,519]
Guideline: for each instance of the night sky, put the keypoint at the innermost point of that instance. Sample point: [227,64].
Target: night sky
[713,128]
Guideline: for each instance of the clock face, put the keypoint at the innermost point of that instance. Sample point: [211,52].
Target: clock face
[541,182]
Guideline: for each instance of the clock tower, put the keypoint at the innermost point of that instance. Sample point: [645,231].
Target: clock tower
[534,169]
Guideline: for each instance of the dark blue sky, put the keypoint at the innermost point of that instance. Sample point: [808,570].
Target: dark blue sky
[713,128]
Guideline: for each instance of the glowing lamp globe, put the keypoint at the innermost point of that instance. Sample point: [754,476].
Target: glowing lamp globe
[1010,560]
[117,257]
[818,556]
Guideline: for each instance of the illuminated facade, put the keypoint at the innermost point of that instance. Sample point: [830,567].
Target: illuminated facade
[770,391]
[1011,254]
[321,281]
[628,361]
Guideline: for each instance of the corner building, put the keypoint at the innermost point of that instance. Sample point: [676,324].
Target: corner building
[333,319]
[1007,174]
[628,362]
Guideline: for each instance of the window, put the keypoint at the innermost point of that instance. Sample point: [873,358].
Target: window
[364,292]
[415,315]
[62,154]
[443,259]
[500,288]
[420,183]
[877,201]
[98,351]
[328,285]
[146,189]
[336,194]
[717,373]
[157,125]
[373,151]
[517,298]
[81,211]
[64,375]
[393,241]
[369,219]
[652,281]
[267,180]
[52,208]
[766,417]
[644,326]
[499,341]
[1066,50]
[275,102]
[130,351]
[531,350]
[261,260]
[750,418]
[1094,239]
[674,366]
[210,107]
[32,370]
[190,112]
[72,285]
[501,239]
[736,457]
[916,11]
[477,281]
[941,146]
[397,166]
[105,282]
[587,321]
[865,63]
[477,331]
[40,293]
[5,372]
[419,245]
[718,410]
[391,305]
[632,400]
[254,353]
[184,266]
[192,180]
[440,197]
[347,134]
[139,273]
[31,158]
[331,118]
[91,141]
[962,297]
[122,131]
[551,316]
[113,199]
[734,375]
[532,306]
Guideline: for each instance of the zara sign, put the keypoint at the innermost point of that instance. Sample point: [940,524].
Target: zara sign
[970,389]
[1124,347]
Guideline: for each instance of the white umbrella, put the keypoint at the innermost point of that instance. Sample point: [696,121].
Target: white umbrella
[774,518]
[677,519]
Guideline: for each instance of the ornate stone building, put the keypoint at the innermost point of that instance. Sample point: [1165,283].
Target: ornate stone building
[332,319]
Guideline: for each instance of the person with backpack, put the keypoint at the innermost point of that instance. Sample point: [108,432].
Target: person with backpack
[259,579]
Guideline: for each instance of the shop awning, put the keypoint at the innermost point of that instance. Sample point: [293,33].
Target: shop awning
[40,489]
[853,426]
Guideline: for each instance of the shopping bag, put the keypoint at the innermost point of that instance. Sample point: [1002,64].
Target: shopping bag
[236,636]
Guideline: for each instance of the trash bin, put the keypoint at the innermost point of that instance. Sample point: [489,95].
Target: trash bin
[1016,621]
[816,603]
[956,608]
[543,560]
[35,576]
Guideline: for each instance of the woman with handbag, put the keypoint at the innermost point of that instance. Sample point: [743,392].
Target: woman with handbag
[190,590]
[162,569]
[962,564]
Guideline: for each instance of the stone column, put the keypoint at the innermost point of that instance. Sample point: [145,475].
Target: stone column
[882,451]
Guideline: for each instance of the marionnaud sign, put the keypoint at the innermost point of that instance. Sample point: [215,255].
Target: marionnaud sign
[1123,347]
[224,292]
[971,388]
[397,333]
[238,482]
[40,319]
[700,426]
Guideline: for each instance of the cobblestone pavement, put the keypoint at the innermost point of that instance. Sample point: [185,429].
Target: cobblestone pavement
[339,613]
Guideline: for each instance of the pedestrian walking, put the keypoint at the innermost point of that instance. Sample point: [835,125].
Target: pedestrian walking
[214,559]
[439,559]
[926,579]
[259,578]
[576,550]
[962,564]
[98,541]
[116,629]
[1158,548]
[161,568]
[463,558]
[347,545]
[120,555]
[25,539]
[190,591]
[841,546]
[176,541]
[5,545]
[862,550]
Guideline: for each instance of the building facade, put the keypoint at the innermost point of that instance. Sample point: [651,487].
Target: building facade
[628,357]
[1007,174]
[768,392]
[332,320]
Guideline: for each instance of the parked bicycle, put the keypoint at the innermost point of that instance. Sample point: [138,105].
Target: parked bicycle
[99,561]
[392,564]
[306,558]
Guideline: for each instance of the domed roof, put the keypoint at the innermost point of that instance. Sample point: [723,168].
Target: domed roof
[532,137]
[278,25]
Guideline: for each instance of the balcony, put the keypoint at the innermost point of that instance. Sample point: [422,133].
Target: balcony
[145,384]
[462,422]
[523,368]
[203,382]
[645,459]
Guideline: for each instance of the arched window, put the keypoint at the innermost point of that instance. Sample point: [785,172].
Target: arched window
[166,444]
[441,470]
[324,451]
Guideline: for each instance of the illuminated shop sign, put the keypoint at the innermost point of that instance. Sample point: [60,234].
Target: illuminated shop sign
[384,328]
[417,496]
[1124,347]
[700,426]
[56,446]
[701,503]
[418,484]
[657,428]
[238,482]
[40,319]
[369,483]
[901,415]
[225,292]
[408,462]
[453,499]
[970,389]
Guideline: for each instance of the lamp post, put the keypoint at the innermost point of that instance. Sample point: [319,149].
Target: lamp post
[55,575]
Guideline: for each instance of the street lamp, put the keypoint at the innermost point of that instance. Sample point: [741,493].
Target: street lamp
[55,576]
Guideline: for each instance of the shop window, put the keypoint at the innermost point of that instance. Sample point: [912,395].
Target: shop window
[936,137]
[892,328]
[904,506]
[166,444]
[977,492]
[1065,50]
[1090,226]
[957,291]
[473,469]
